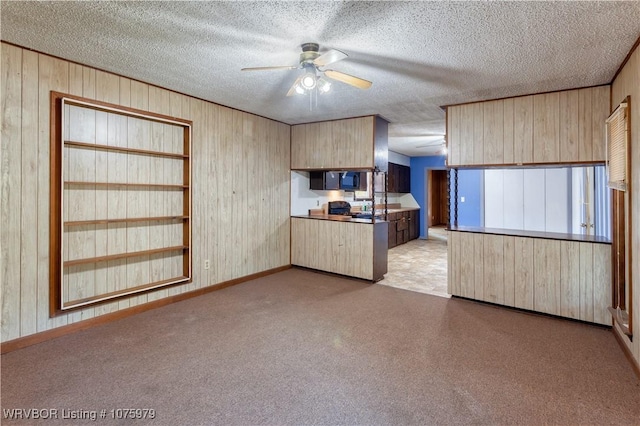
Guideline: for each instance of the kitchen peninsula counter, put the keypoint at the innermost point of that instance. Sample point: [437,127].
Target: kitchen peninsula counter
[339,218]
[341,245]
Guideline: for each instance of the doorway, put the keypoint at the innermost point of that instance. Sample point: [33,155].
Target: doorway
[437,205]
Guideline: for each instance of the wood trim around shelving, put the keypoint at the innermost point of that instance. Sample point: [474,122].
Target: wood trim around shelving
[58,142]
[148,185]
[119,109]
[128,255]
[124,220]
[79,303]
[124,150]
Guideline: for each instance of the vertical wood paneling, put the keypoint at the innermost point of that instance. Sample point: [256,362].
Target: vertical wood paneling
[453,135]
[346,144]
[570,280]
[546,128]
[586,126]
[601,283]
[477,111]
[569,125]
[11,68]
[493,128]
[546,278]
[26,177]
[53,74]
[466,257]
[453,265]
[466,134]
[493,268]
[523,129]
[586,281]
[29,202]
[509,270]
[600,107]
[478,273]
[508,131]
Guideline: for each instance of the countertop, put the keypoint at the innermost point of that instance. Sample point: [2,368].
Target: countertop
[341,218]
[532,234]
[338,218]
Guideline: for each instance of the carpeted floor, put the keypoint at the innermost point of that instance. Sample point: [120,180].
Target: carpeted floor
[304,348]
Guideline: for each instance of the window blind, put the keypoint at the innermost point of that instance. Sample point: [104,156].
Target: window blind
[617,138]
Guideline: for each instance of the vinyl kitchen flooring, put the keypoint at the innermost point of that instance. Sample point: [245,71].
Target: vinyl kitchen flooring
[420,265]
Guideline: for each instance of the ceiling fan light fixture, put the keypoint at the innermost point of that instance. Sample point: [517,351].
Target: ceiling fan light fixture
[324,86]
[308,81]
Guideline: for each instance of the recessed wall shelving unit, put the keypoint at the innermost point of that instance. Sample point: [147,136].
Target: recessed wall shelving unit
[120,202]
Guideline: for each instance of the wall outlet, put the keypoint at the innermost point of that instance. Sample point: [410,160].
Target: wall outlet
[462,199]
[206,264]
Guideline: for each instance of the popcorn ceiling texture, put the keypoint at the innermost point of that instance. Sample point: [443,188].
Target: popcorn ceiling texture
[419,55]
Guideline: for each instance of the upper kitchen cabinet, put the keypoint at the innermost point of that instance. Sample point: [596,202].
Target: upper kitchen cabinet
[547,128]
[399,178]
[349,144]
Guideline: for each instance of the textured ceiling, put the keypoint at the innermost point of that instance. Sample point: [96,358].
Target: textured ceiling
[419,55]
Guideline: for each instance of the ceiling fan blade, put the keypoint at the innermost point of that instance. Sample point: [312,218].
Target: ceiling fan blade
[349,79]
[284,67]
[292,91]
[329,58]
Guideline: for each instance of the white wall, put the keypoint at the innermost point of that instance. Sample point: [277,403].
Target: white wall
[402,159]
[532,199]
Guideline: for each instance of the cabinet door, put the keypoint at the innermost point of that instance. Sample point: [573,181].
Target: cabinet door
[405,179]
[414,224]
[392,178]
[391,218]
[331,180]
[403,221]
[316,180]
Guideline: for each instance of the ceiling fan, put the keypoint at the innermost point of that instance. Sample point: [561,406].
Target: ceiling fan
[313,63]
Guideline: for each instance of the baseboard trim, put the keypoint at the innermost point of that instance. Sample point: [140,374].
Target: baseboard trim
[43,336]
[627,353]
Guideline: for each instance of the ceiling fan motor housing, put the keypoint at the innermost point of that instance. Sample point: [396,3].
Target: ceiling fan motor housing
[309,52]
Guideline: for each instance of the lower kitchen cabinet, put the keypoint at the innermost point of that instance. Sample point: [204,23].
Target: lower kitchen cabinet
[403,226]
[342,247]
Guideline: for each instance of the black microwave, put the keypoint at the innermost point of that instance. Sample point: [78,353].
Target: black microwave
[351,181]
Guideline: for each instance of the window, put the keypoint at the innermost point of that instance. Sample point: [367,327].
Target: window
[617,166]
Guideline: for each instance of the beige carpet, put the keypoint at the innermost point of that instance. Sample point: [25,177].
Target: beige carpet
[302,348]
[420,265]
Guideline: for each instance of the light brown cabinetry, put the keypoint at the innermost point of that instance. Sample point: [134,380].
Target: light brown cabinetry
[342,247]
[349,144]
[565,278]
[558,127]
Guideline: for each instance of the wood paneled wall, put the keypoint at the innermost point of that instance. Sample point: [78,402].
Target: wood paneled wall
[352,143]
[627,83]
[344,248]
[565,278]
[558,127]
[240,185]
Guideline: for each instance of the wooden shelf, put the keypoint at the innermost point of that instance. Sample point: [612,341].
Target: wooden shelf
[84,145]
[122,255]
[124,220]
[124,292]
[149,199]
[130,185]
